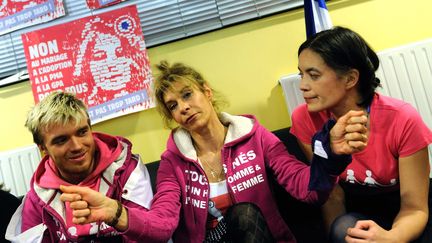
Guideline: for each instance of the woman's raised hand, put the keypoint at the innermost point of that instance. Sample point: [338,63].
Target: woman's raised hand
[349,134]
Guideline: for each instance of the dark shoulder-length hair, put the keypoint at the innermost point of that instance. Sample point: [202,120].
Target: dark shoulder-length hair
[342,50]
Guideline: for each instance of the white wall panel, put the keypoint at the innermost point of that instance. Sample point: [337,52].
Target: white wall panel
[17,167]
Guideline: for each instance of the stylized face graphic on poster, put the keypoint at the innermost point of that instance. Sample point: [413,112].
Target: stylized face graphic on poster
[94,4]
[100,58]
[17,14]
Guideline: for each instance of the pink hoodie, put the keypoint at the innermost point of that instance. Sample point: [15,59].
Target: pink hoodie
[107,151]
[118,174]
[250,155]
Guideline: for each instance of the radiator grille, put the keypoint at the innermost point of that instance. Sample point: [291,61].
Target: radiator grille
[17,167]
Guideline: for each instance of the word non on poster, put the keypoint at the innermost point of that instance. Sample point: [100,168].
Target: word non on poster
[102,59]
[94,4]
[17,14]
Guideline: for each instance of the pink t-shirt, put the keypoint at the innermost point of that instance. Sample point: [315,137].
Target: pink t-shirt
[396,130]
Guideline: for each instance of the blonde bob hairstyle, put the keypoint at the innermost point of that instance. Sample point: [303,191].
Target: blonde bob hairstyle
[179,72]
[58,108]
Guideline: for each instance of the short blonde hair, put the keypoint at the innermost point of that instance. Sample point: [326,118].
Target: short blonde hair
[179,72]
[57,108]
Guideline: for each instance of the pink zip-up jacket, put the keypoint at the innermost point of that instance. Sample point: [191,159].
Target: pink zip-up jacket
[179,207]
[122,175]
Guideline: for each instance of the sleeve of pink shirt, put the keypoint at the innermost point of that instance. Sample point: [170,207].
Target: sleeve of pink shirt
[411,133]
[301,126]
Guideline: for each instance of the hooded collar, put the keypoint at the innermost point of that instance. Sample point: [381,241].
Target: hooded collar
[239,127]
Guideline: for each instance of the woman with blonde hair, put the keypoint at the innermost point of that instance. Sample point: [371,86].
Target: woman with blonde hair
[212,183]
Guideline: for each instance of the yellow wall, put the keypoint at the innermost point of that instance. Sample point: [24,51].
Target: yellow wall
[244,62]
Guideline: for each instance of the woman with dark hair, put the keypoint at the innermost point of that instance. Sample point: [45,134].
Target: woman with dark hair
[384,192]
[8,204]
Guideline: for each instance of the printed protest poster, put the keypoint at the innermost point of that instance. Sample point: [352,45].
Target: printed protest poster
[94,4]
[102,59]
[17,14]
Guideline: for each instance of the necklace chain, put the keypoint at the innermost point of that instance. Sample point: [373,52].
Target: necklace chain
[213,172]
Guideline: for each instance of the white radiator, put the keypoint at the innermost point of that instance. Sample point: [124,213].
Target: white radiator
[291,90]
[17,167]
[405,73]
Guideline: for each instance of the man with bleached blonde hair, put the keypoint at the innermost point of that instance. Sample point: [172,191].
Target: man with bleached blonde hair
[78,159]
